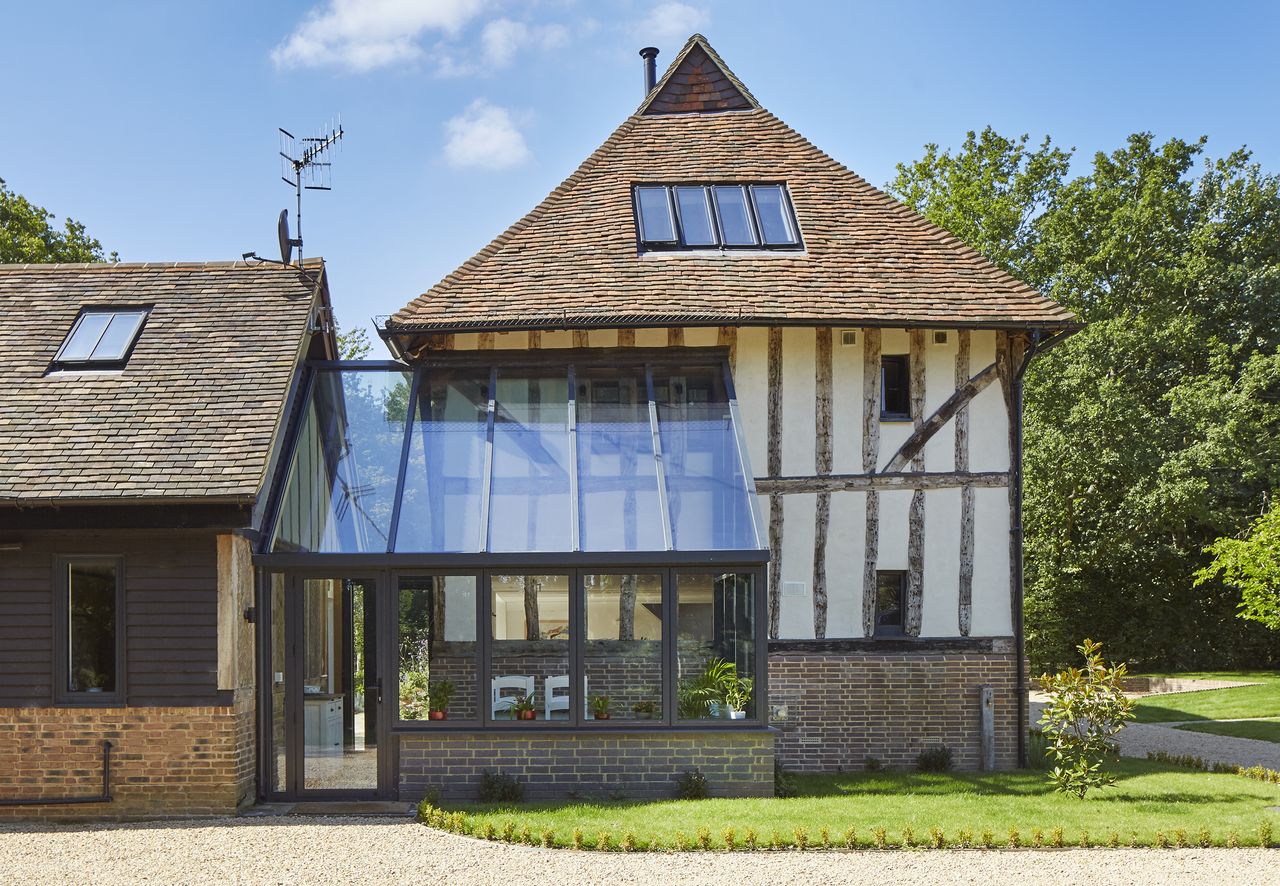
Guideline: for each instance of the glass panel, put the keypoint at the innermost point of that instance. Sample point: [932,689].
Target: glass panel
[119,335]
[617,473]
[735,219]
[339,694]
[695,217]
[895,390]
[530,509]
[438,648]
[706,488]
[529,656]
[889,602]
[279,747]
[655,215]
[623,656]
[444,477]
[773,214]
[91,627]
[715,646]
[84,337]
[345,463]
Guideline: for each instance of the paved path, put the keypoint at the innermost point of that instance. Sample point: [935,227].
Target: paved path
[1137,739]
[306,850]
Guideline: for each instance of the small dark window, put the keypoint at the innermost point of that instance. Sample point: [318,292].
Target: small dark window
[725,216]
[890,603]
[895,387]
[101,337]
[89,610]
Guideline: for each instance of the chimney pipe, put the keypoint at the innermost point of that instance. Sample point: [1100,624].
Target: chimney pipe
[649,53]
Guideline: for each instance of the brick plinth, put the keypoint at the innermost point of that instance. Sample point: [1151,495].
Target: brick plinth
[165,761]
[843,706]
[639,765]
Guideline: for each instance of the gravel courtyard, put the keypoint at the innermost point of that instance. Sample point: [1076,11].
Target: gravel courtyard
[291,850]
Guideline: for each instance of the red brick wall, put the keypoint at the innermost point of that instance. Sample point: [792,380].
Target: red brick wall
[845,706]
[164,761]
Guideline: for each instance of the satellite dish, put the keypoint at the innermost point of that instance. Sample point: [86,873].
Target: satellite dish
[282,230]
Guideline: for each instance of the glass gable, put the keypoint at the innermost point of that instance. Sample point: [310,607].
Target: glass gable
[463,459]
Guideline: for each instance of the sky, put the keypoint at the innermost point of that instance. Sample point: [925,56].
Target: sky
[155,123]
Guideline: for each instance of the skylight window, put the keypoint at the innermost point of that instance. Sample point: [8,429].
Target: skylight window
[101,337]
[724,216]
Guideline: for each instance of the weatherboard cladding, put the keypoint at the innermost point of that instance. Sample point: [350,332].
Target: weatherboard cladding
[574,261]
[192,414]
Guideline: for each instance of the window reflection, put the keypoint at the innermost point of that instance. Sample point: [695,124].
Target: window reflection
[623,653]
[529,507]
[715,646]
[529,652]
[438,662]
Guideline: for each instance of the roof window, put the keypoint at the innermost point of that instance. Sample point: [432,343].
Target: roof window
[101,337]
[725,216]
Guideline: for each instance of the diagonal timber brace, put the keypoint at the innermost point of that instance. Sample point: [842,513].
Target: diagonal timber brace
[944,413]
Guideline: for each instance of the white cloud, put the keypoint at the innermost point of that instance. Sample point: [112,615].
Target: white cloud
[484,136]
[361,35]
[503,38]
[672,21]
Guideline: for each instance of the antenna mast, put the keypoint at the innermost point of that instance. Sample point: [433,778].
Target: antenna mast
[307,169]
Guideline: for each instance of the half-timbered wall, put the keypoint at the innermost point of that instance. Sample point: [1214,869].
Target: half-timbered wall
[819,533]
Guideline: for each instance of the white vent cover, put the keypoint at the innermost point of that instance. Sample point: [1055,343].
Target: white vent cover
[940,336]
[848,337]
[794,589]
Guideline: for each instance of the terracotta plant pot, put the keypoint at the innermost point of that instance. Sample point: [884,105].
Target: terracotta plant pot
[526,715]
[437,715]
[604,716]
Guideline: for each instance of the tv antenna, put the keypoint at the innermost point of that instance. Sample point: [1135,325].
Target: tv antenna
[305,164]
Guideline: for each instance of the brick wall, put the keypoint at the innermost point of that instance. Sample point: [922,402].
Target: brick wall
[164,761]
[843,706]
[635,765]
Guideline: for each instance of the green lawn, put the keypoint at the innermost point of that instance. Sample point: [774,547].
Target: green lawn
[1215,704]
[1149,797]
[1262,730]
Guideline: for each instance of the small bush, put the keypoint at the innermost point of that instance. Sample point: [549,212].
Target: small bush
[603,840]
[1161,840]
[851,838]
[1204,838]
[548,838]
[691,785]
[1055,838]
[802,838]
[1084,840]
[508,831]
[526,835]
[704,838]
[750,838]
[730,838]
[776,841]
[1233,840]
[937,839]
[784,783]
[988,840]
[682,842]
[577,838]
[1113,840]
[880,838]
[1133,840]
[1037,838]
[908,837]
[965,838]
[934,759]
[1264,834]
[488,832]
[872,764]
[628,843]
[499,787]
[1180,838]
[1015,839]
[824,838]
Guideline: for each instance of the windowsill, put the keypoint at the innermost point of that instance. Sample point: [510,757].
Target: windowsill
[90,700]
[425,728]
[894,419]
[727,253]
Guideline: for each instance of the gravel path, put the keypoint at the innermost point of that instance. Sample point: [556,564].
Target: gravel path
[1137,739]
[389,851]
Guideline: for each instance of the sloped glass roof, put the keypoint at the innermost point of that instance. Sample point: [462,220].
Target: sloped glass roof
[510,458]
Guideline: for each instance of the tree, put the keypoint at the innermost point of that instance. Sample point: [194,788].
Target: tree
[353,344]
[27,234]
[1156,429]
[1251,564]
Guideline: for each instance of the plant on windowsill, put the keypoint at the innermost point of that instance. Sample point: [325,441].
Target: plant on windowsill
[522,708]
[600,707]
[737,695]
[438,698]
[702,696]
[644,710]
[90,680]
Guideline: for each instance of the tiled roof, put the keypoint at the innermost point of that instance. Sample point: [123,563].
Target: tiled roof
[574,260]
[194,412]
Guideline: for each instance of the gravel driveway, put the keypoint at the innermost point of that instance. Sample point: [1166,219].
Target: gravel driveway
[299,849]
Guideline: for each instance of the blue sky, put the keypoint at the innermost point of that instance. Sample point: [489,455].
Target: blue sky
[155,122]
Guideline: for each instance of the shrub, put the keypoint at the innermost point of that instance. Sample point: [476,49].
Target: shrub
[577,838]
[603,840]
[499,787]
[1086,708]
[881,840]
[824,838]
[934,759]
[1113,840]
[628,843]
[1161,840]
[508,831]
[704,838]
[937,839]
[908,836]
[526,835]
[1015,839]
[1264,834]
[682,842]
[802,838]
[1180,838]
[776,841]
[1084,840]
[851,838]
[1233,840]
[1037,838]
[988,840]
[548,839]
[1204,838]
[750,838]
[1055,837]
[784,783]
[691,785]
[965,838]
[730,838]
[488,832]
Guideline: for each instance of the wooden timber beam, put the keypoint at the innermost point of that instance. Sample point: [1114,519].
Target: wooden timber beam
[775,468]
[914,445]
[822,466]
[915,516]
[869,483]
[965,614]
[870,458]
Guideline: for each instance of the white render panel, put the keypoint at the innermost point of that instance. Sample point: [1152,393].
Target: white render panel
[701,336]
[894,509]
[795,620]
[939,384]
[846,538]
[602,338]
[651,338]
[988,421]
[510,341]
[751,382]
[940,612]
[798,393]
[846,411]
[992,615]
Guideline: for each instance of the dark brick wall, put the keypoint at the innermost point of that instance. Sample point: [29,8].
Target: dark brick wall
[843,706]
[640,765]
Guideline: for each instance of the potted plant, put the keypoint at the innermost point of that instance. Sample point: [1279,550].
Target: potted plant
[600,707]
[737,695]
[414,695]
[91,680]
[523,709]
[438,698]
[644,710]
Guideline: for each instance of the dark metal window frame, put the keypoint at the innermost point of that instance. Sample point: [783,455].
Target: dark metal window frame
[891,631]
[62,695]
[903,361]
[88,363]
[717,225]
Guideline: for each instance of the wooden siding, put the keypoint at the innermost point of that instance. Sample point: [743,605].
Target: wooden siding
[171,601]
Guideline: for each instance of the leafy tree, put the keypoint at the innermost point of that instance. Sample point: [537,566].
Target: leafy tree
[1085,710]
[1155,429]
[353,344]
[1251,564]
[27,234]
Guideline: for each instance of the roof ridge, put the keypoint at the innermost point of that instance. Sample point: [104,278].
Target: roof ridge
[316,261]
